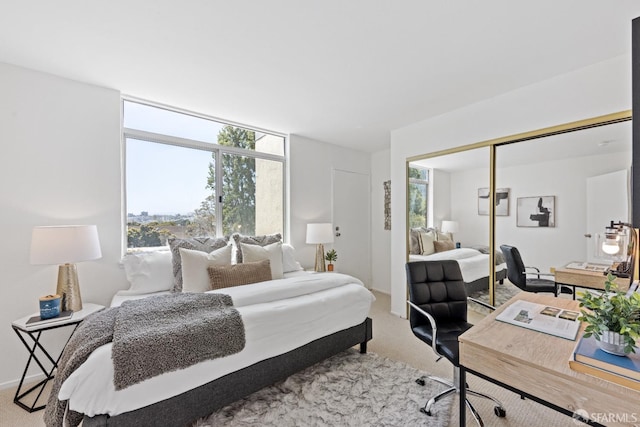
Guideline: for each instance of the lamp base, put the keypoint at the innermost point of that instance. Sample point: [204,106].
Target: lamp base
[320,258]
[69,288]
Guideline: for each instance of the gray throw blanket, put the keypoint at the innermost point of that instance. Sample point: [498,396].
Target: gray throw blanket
[150,336]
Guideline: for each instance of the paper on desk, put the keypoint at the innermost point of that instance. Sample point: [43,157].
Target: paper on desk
[543,318]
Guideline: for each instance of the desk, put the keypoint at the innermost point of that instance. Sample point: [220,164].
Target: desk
[586,279]
[34,333]
[536,365]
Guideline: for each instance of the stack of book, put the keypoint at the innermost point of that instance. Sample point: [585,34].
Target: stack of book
[588,358]
[37,321]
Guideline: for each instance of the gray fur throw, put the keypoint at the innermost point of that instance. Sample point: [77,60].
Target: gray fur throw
[150,336]
[169,332]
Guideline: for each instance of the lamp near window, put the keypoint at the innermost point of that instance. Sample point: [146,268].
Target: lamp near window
[66,245]
[318,234]
[450,227]
[615,244]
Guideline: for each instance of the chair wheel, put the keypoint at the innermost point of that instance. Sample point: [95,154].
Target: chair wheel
[424,411]
[421,381]
[500,412]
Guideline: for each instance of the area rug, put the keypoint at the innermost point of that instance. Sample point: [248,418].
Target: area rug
[504,292]
[349,389]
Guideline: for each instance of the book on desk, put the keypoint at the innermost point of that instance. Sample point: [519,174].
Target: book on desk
[589,359]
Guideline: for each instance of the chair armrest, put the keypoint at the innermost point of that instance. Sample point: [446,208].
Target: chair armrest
[432,321]
[537,273]
[482,303]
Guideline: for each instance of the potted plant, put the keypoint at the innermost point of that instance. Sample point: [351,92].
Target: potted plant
[612,317]
[331,256]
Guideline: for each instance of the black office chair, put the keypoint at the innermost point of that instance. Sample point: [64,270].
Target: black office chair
[518,275]
[438,315]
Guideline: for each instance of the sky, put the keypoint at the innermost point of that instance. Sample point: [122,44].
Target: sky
[164,179]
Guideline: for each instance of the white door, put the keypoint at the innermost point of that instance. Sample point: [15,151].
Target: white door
[351,222]
[607,200]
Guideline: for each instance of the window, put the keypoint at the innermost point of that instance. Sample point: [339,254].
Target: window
[189,175]
[418,196]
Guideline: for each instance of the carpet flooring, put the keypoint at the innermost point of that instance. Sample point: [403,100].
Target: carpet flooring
[349,389]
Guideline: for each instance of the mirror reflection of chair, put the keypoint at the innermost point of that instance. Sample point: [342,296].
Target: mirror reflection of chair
[518,275]
[438,315]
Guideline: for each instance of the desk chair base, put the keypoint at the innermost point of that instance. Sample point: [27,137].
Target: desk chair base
[426,409]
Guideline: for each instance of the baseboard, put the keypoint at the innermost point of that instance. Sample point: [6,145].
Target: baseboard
[27,380]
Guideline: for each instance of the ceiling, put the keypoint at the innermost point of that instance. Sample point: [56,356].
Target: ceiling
[601,140]
[340,71]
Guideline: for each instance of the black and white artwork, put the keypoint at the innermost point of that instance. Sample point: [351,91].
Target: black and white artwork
[536,211]
[502,201]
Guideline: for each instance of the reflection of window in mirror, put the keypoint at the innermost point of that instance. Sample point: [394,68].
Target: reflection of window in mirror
[452,197]
[418,196]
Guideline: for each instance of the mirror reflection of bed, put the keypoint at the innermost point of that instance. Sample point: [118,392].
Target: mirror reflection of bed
[581,178]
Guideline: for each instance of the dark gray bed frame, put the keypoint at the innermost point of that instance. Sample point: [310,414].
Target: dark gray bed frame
[199,402]
[483,283]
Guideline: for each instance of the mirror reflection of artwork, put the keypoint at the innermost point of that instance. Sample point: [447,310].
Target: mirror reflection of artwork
[536,211]
[502,201]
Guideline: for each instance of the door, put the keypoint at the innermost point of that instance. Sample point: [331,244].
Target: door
[351,222]
[607,200]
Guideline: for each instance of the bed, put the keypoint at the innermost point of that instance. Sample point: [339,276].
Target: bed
[290,323]
[431,244]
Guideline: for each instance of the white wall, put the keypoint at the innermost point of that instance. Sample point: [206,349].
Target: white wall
[600,89]
[61,142]
[566,179]
[380,238]
[61,149]
[311,166]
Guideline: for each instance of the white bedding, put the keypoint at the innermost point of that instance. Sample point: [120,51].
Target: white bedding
[279,316]
[474,264]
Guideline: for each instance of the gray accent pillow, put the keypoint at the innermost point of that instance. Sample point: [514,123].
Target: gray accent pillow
[414,239]
[225,276]
[202,244]
[263,240]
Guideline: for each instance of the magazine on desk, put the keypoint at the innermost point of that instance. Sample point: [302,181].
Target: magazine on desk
[543,318]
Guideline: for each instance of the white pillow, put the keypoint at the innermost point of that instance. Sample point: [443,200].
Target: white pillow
[289,262]
[426,242]
[195,277]
[148,271]
[272,252]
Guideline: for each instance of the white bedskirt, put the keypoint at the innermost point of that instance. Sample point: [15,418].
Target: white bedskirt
[273,327]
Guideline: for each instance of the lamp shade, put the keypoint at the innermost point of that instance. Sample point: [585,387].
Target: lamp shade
[64,244]
[319,233]
[449,226]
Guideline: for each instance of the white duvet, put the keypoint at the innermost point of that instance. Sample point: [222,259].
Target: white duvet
[474,264]
[278,315]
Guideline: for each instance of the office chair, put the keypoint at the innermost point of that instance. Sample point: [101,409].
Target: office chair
[438,315]
[517,274]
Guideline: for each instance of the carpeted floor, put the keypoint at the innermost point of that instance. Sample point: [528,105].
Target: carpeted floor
[349,389]
[504,292]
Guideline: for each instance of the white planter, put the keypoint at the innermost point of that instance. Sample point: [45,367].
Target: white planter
[612,342]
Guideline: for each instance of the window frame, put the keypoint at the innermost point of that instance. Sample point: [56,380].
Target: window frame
[215,149]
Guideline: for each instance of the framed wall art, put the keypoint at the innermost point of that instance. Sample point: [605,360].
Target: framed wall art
[502,201]
[536,211]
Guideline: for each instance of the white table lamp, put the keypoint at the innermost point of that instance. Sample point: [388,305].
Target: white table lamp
[318,234]
[450,227]
[66,245]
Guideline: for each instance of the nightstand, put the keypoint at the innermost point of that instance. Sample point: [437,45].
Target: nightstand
[34,332]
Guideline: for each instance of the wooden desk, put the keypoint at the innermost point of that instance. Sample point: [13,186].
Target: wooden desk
[536,365]
[586,279]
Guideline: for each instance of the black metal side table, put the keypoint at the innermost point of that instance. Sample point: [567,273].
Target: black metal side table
[30,337]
